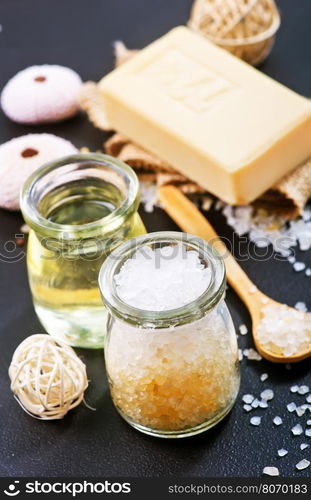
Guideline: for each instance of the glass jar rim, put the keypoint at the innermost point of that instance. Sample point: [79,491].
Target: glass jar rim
[192,311]
[39,223]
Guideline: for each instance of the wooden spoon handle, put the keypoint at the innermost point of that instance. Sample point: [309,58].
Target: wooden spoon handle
[192,221]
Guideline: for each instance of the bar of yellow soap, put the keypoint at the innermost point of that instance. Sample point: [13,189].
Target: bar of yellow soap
[214,118]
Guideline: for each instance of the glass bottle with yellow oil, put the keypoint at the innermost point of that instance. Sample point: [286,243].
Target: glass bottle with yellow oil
[79,209]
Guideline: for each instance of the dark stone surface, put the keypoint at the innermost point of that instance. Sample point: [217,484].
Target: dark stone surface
[79,34]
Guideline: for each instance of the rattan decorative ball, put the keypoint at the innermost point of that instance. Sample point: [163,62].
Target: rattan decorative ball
[246,28]
[47,377]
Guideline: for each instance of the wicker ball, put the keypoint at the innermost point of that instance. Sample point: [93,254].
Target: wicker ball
[246,28]
[47,377]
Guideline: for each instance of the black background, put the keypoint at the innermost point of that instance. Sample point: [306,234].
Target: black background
[79,34]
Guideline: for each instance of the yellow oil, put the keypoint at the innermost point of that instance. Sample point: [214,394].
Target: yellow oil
[64,279]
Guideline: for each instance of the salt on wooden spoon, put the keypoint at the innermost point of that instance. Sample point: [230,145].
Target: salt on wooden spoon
[281,333]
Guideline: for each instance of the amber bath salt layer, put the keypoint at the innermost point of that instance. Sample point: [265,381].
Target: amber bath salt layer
[217,120]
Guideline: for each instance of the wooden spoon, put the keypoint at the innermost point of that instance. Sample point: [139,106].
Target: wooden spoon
[192,221]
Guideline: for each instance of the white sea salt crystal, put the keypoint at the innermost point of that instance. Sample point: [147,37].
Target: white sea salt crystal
[308,432]
[248,398]
[263,404]
[297,430]
[291,259]
[264,300]
[300,411]
[175,277]
[240,354]
[303,446]
[255,403]
[243,329]
[299,266]
[207,202]
[253,289]
[301,306]
[294,388]
[149,197]
[291,407]
[308,398]
[252,355]
[282,452]
[247,408]
[263,377]
[277,421]
[271,471]
[308,422]
[303,464]
[255,421]
[267,394]
[303,389]
[308,272]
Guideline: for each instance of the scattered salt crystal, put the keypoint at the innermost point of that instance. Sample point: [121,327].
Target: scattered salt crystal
[253,289]
[291,407]
[207,202]
[308,422]
[149,197]
[248,398]
[303,464]
[308,272]
[243,329]
[263,377]
[267,394]
[277,421]
[301,306]
[263,404]
[303,446]
[297,430]
[255,421]
[271,471]
[294,388]
[264,300]
[308,432]
[240,354]
[247,407]
[282,452]
[300,411]
[255,403]
[252,354]
[264,229]
[303,389]
[308,398]
[24,229]
[299,266]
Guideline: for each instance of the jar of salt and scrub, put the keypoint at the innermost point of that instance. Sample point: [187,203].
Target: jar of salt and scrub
[171,350]
[79,208]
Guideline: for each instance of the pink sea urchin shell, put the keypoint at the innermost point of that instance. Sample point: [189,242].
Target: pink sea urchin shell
[21,156]
[41,94]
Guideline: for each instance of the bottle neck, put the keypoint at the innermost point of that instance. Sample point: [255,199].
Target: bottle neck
[167,318]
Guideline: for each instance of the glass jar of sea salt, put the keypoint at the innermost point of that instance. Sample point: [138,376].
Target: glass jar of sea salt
[171,350]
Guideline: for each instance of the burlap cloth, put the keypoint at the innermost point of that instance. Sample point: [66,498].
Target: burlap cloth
[288,197]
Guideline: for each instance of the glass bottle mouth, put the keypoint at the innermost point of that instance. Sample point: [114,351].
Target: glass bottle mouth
[78,169]
[173,317]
